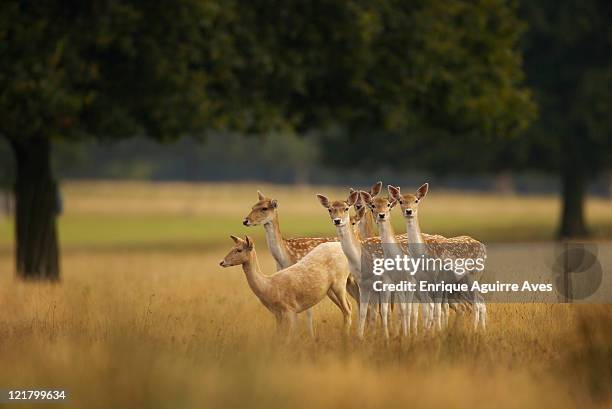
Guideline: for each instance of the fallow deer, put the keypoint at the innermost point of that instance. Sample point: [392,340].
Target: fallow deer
[287,252]
[299,287]
[356,221]
[441,247]
[366,224]
[359,253]
[394,246]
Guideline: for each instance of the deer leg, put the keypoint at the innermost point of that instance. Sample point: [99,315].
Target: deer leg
[291,318]
[481,317]
[445,310]
[438,310]
[415,318]
[427,310]
[372,316]
[384,309]
[364,302]
[404,320]
[344,305]
[308,321]
[279,323]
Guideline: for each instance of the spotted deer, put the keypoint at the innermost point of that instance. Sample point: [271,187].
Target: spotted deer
[356,221]
[299,287]
[441,247]
[355,249]
[366,223]
[287,252]
[394,246]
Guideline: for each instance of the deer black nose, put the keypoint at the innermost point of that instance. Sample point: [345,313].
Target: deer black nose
[408,212]
[381,216]
[337,221]
[245,222]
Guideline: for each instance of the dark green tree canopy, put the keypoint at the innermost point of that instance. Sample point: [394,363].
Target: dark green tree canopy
[568,54]
[111,68]
[114,69]
[438,94]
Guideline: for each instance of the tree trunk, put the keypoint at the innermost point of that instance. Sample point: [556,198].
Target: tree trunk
[36,208]
[573,196]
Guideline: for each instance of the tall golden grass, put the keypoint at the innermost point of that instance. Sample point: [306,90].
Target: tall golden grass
[161,326]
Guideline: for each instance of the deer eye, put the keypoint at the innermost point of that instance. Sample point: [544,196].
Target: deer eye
[346,209]
[263,209]
[401,201]
[329,210]
[416,201]
[239,250]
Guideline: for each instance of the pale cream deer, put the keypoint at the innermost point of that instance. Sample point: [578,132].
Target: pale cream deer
[441,247]
[290,291]
[286,252]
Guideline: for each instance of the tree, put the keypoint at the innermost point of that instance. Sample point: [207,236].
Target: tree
[114,69]
[107,69]
[568,60]
[446,95]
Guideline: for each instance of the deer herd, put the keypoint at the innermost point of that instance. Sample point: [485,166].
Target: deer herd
[310,268]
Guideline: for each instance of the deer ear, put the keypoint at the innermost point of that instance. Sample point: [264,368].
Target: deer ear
[366,197]
[392,204]
[273,203]
[352,198]
[323,200]
[236,239]
[361,212]
[249,242]
[394,192]
[376,188]
[422,191]
[260,195]
[351,190]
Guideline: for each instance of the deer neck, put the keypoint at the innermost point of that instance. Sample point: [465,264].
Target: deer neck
[413,231]
[257,281]
[351,245]
[366,227]
[276,243]
[390,246]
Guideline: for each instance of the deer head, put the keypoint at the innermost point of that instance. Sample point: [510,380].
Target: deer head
[262,212]
[374,191]
[240,253]
[380,206]
[408,203]
[356,218]
[339,209]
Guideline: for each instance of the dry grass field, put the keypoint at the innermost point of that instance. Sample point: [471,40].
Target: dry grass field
[145,318]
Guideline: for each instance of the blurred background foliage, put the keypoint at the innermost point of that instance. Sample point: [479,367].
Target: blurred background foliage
[323,91]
